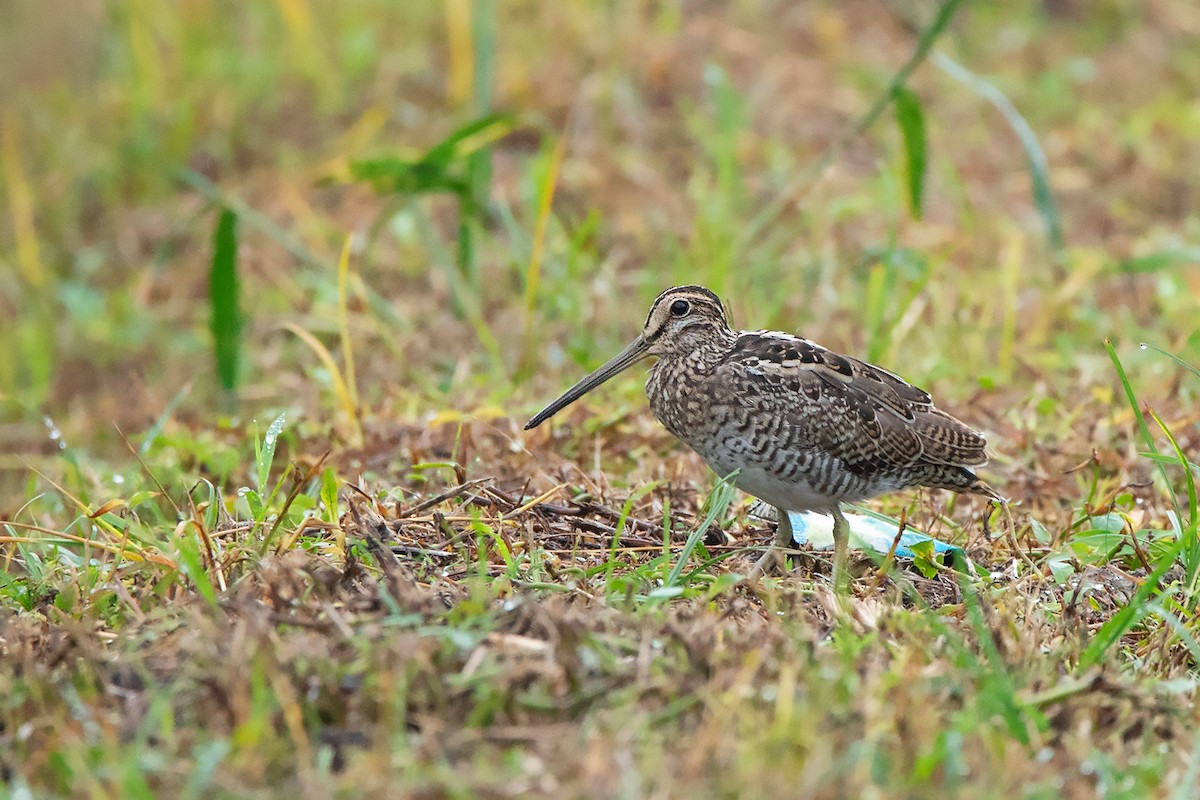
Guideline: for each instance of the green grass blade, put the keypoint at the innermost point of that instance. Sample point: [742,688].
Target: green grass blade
[160,422]
[1121,622]
[226,319]
[1039,170]
[783,200]
[1143,428]
[1178,625]
[626,510]
[718,503]
[1000,693]
[1172,356]
[911,120]
[472,138]
[1159,261]
[1187,528]
[255,219]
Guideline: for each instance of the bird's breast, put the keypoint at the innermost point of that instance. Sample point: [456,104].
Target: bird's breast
[678,400]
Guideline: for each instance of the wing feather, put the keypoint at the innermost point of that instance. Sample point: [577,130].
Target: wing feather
[869,418]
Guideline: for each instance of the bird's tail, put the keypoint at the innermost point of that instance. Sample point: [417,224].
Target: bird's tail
[982,488]
[958,479]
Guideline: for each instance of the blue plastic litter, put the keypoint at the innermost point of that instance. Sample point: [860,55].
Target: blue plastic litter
[871,533]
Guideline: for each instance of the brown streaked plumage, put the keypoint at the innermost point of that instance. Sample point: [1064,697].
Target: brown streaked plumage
[804,428]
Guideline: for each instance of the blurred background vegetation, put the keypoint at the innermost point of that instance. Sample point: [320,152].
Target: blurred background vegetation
[377,234]
[515,181]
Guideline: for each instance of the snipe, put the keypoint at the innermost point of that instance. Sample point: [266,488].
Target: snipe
[800,427]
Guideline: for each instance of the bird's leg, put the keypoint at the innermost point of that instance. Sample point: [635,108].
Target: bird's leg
[774,554]
[841,540]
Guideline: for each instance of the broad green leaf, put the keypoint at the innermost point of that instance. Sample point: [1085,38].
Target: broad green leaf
[1061,568]
[254,503]
[1040,533]
[923,558]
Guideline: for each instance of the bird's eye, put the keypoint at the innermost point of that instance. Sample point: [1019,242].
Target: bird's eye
[680,307]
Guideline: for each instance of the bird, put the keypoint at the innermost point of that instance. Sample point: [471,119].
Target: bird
[796,425]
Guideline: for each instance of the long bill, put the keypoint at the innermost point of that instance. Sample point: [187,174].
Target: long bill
[632,354]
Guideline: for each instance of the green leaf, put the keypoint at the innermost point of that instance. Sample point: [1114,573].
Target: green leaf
[264,451]
[923,558]
[443,168]
[329,495]
[1040,534]
[300,508]
[1061,568]
[400,176]
[254,503]
[226,318]
[138,498]
[911,119]
[485,531]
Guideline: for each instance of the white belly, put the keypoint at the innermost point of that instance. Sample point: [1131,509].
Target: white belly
[791,495]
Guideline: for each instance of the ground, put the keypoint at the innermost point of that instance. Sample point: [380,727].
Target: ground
[288,278]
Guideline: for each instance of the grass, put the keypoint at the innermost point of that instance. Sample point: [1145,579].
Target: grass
[268,522]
